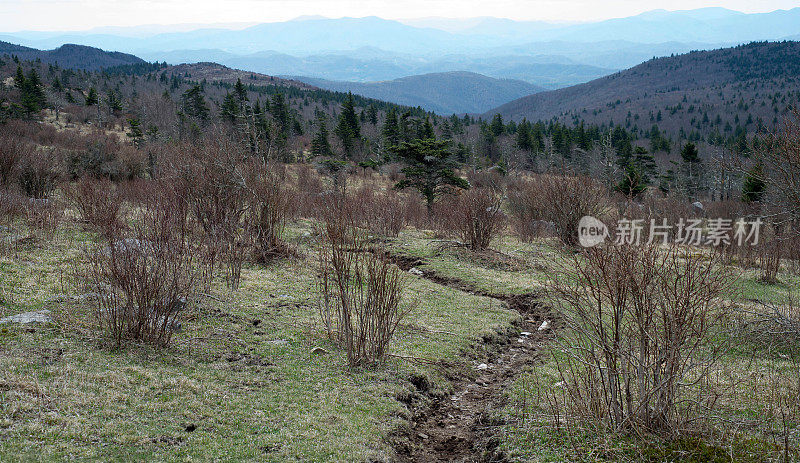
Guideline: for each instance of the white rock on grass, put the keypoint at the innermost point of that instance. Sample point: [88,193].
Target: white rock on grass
[41,316]
[482,366]
[545,325]
[415,271]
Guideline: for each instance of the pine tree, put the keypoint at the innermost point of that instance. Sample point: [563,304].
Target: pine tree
[391,129]
[280,112]
[135,134]
[497,126]
[91,97]
[194,103]
[348,129]
[754,185]
[32,95]
[320,146]
[349,116]
[230,108]
[425,130]
[430,169]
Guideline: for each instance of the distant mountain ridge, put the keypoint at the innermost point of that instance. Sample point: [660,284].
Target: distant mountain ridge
[337,49]
[740,85]
[443,93]
[72,56]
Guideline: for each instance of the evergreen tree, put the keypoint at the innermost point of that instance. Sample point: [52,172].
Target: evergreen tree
[633,183]
[349,117]
[497,127]
[348,129]
[425,130]
[135,133]
[194,103]
[391,129]
[754,185]
[32,95]
[280,112]
[230,108]
[320,146]
[91,97]
[430,169]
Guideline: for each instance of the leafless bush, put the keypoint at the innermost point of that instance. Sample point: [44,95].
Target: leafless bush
[98,201]
[38,173]
[780,157]
[474,216]
[12,153]
[542,201]
[770,251]
[269,204]
[43,214]
[12,204]
[636,352]
[144,278]
[360,293]
[382,213]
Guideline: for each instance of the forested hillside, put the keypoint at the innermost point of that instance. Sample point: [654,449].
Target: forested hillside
[705,95]
[72,56]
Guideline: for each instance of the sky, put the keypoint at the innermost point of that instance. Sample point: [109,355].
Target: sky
[62,15]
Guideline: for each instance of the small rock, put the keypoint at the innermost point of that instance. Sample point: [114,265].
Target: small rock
[520,340]
[545,325]
[482,366]
[283,342]
[41,316]
[422,436]
[415,271]
[319,351]
[525,333]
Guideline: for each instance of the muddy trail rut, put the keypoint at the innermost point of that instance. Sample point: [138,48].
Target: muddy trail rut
[460,427]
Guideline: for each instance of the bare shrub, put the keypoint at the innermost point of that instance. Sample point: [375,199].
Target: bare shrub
[12,204]
[44,214]
[270,203]
[637,343]
[360,293]
[382,213]
[98,201]
[12,153]
[544,201]
[780,157]
[145,277]
[770,251]
[474,217]
[38,173]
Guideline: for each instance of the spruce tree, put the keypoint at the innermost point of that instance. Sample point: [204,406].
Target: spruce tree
[91,97]
[320,146]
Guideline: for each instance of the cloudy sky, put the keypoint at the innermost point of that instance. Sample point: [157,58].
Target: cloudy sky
[18,15]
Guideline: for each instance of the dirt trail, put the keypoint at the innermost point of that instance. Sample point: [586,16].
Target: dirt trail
[459,427]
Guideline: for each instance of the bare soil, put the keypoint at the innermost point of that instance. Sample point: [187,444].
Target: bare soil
[460,427]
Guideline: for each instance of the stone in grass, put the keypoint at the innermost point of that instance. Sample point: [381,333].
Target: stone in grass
[41,316]
[415,271]
[482,366]
[545,325]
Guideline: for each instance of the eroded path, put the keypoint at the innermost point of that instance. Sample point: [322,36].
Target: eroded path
[460,427]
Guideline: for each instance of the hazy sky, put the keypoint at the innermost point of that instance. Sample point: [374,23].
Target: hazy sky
[84,14]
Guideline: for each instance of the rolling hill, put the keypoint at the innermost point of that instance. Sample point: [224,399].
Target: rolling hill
[72,56]
[443,93]
[705,92]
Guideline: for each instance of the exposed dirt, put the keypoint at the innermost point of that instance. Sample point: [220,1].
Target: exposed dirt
[460,427]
